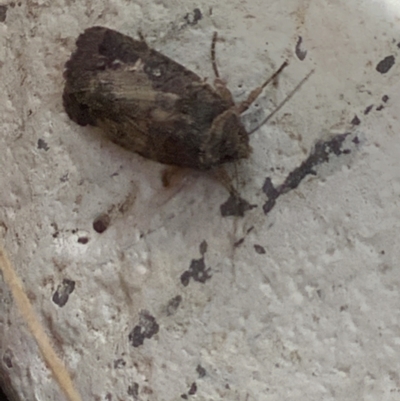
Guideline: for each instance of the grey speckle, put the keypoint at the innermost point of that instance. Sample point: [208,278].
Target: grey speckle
[3,13]
[201,371]
[173,305]
[133,390]
[355,121]
[42,144]
[8,357]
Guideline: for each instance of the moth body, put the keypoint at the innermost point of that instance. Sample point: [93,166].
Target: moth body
[150,104]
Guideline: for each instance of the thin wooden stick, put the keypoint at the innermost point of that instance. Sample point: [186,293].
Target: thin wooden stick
[25,308]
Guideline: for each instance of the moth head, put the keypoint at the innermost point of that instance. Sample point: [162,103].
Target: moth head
[228,140]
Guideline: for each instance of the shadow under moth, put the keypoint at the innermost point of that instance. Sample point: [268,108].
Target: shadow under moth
[150,104]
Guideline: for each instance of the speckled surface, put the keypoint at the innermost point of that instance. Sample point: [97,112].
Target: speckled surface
[151,293]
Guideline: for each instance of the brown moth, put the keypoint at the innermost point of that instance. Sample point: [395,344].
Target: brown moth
[150,104]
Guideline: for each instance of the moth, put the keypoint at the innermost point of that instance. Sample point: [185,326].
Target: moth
[149,104]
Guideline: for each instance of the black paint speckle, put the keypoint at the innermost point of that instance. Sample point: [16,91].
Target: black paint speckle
[368,109]
[385,65]
[83,240]
[3,13]
[355,120]
[193,389]
[194,18]
[42,144]
[319,155]
[301,54]
[259,249]
[101,223]
[60,297]
[235,206]
[197,271]
[380,107]
[385,98]
[146,328]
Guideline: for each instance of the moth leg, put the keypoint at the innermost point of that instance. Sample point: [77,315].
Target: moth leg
[141,37]
[171,176]
[243,106]
[219,84]
[222,176]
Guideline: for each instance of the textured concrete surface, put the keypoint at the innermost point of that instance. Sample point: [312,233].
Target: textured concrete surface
[297,299]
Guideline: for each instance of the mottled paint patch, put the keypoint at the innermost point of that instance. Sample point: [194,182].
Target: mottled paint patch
[146,328]
[60,297]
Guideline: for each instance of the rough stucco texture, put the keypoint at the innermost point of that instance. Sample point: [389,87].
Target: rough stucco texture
[149,293]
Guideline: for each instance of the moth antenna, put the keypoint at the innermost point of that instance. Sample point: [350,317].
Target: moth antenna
[242,107]
[213,60]
[284,101]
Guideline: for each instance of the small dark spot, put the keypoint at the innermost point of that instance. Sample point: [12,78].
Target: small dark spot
[356,140]
[3,13]
[355,120]
[344,307]
[146,328]
[184,396]
[385,98]
[259,249]
[385,65]
[203,247]
[382,252]
[64,178]
[197,271]
[238,242]
[241,240]
[60,297]
[8,357]
[42,144]
[201,371]
[193,18]
[398,45]
[83,240]
[368,109]
[379,108]
[319,293]
[173,305]
[119,363]
[301,54]
[101,223]
[235,206]
[133,390]
[193,389]
[269,189]
[56,232]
